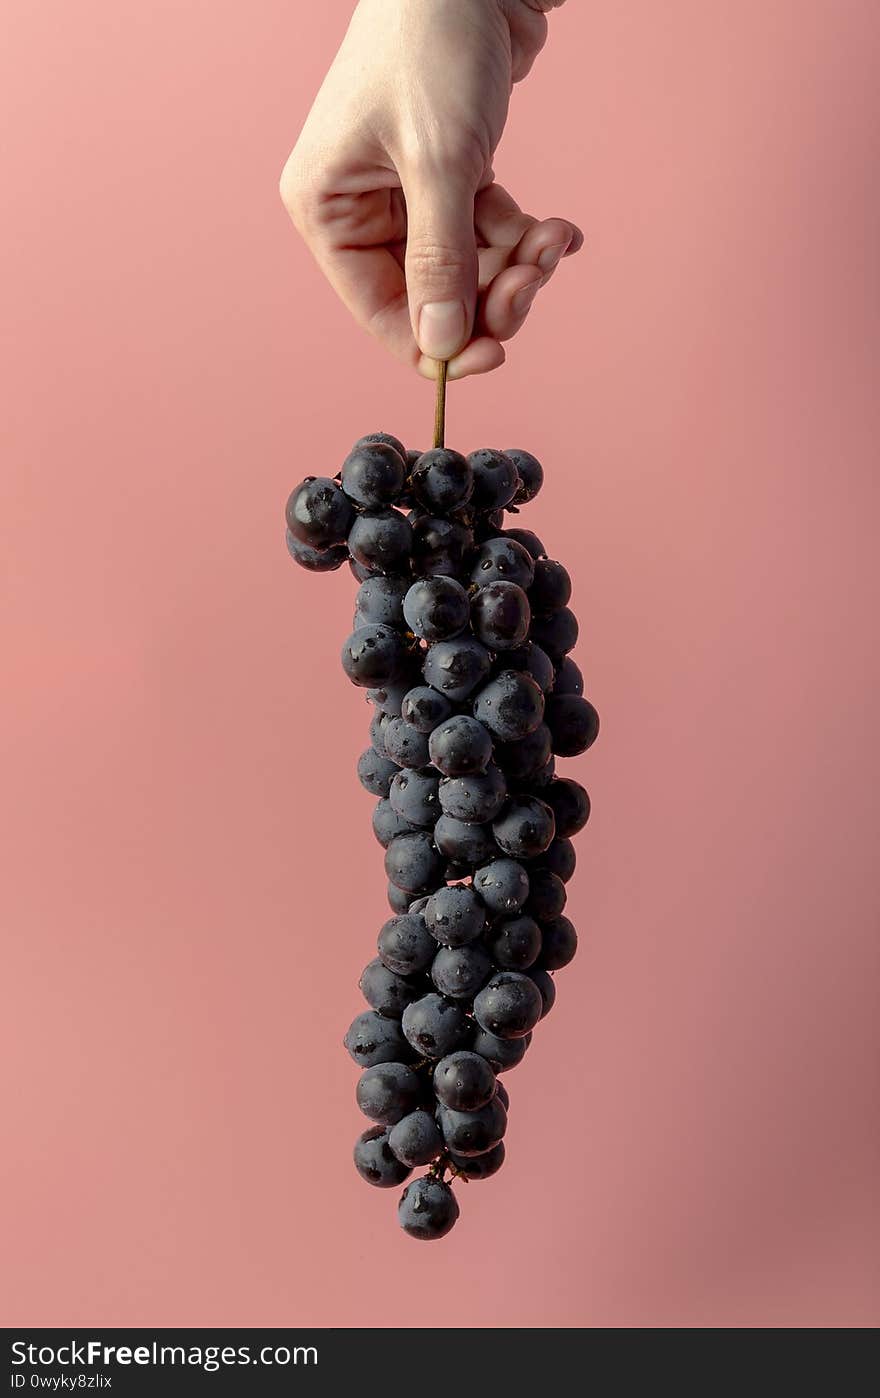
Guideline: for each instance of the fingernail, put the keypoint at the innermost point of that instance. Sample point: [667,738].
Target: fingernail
[551,257]
[524,297]
[442,328]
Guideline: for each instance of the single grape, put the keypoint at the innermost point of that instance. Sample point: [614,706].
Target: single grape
[551,587]
[416,1139]
[442,480]
[501,1053]
[513,943]
[546,988]
[436,609]
[530,472]
[478,797]
[479,1167]
[425,708]
[569,679]
[502,885]
[373,655]
[464,1081]
[439,546]
[558,943]
[316,560]
[530,542]
[398,899]
[405,944]
[375,772]
[464,841]
[381,539]
[509,1005]
[456,667]
[459,972]
[460,746]
[510,706]
[318,513]
[372,1038]
[388,1091]
[386,992]
[380,600]
[433,1026]
[375,1161]
[560,858]
[404,744]
[525,827]
[573,723]
[414,795]
[388,440]
[528,659]
[570,804]
[473,1133]
[503,559]
[524,759]
[373,474]
[414,863]
[428,1209]
[454,915]
[556,634]
[387,824]
[500,615]
[547,895]
[495,479]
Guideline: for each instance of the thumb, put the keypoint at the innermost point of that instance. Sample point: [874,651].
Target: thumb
[441,260]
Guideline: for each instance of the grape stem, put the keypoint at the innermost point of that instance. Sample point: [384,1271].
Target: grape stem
[440,405]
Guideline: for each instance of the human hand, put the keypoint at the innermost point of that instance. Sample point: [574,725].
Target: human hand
[391,182]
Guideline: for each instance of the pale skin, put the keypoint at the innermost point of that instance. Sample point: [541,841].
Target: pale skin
[391,182]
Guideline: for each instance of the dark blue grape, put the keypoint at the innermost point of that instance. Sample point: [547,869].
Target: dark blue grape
[373,474]
[514,942]
[529,659]
[510,706]
[556,634]
[388,439]
[500,1090]
[405,944]
[414,863]
[473,1133]
[375,1161]
[459,972]
[425,708]
[442,480]
[569,679]
[404,744]
[374,655]
[464,1081]
[523,760]
[388,1091]
[388,697]
[375,772]
[478,797]
[456,667]
[398,900]
[381,539]
[500,615]
[380,600]
[436,609]
[386,992]
[416,1139]
[434,1026]
[547,895]
[503,1054]
[530,472]
[502,885]
[495,479]
[414,795]
[479,1167]
[387,824]
[558,943]
[460,746]
[508,1006]
[570,804]
[454,915]
[316,560]
[428,1209]
[318,513]
[551,588]
[373,1038]
[573,722]
[464,841]
[525,827]
[503,559]
[546,988]
[530,542]
[560,858]
[439,546]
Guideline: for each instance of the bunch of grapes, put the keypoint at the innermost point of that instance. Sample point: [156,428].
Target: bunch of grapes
[461,639]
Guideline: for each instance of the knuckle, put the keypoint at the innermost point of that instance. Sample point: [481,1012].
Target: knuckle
[427,258]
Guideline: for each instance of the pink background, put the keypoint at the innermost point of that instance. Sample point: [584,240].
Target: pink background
[190,883]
